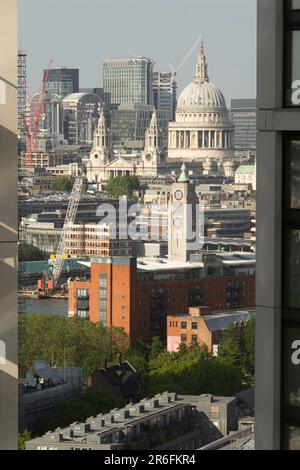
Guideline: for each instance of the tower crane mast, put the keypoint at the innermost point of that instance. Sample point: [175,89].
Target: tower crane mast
[69,220]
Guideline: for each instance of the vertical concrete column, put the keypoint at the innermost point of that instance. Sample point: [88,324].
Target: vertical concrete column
[8,226]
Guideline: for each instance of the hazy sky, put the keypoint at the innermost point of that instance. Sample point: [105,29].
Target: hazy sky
[82,33]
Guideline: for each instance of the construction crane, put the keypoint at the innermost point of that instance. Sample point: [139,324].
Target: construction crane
[28,142]
[175,71]
[36,111]
[69,220]
[40,111]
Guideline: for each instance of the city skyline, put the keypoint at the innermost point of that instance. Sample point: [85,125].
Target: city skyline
[161,44]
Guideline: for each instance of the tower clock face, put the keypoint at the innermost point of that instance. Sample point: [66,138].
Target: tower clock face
[148,156]
[178,195]
[96,156]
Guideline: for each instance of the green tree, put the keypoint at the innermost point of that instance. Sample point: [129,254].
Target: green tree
[24,436]
[27,252]
[123,186]
[61,183]
[249,348]
[230,346]
[192,371]
[156,347]
[60,340]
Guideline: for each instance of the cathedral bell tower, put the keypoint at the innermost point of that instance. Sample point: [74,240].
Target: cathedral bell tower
[101,152]
[101,146]
[153,156]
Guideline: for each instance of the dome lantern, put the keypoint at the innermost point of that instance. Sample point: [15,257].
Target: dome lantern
[201,67]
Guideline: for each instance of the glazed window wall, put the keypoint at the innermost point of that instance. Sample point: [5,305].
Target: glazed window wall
[291,294]
[292,53]
[103,298]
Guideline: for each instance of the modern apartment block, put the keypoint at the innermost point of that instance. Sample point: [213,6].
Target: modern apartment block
[243,115]
[95,240]
[277,399]
[128,80]
[8,226]
[138,295]
[167,421]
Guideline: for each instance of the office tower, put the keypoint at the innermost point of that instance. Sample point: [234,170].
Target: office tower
[277,401]
[128,80]
[80,117]
[62,81]
[243,115]
[129,123]
[164,92]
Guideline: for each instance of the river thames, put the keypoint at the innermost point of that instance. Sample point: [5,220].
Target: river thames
[47,306]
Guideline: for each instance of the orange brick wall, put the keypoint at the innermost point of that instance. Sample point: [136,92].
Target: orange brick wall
[173,331]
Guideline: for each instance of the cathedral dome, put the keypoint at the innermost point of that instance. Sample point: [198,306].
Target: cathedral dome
[201,95]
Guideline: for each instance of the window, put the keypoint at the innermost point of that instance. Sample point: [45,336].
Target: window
[292,366]
[292,52]
[291,293]
[194,325]
[183,338]
[293,438]
[194,338]
[103,298]
[183,325]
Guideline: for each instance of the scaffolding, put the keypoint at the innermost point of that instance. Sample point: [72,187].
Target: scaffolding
[22,91]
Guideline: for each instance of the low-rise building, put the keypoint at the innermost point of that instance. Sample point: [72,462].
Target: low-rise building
[167,421]
[201,326]
[120,379]
[246,174]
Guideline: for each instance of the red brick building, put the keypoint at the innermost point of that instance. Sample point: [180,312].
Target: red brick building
[138,296]
[203,327]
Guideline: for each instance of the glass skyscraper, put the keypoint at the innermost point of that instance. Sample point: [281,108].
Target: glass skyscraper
[62,81]
[243,115]
[128,81]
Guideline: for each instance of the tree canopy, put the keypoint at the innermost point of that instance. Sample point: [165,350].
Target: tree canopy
[237,347]
[61,183]
[123,186]
[27,252]
[71,341]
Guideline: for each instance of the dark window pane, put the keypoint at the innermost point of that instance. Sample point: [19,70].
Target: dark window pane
[293,438]
[292,366]
[183,325]
[293,53]
[293,269]
[294,174]
[294,4]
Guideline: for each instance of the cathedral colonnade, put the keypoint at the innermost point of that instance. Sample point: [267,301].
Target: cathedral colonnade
[201,139]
